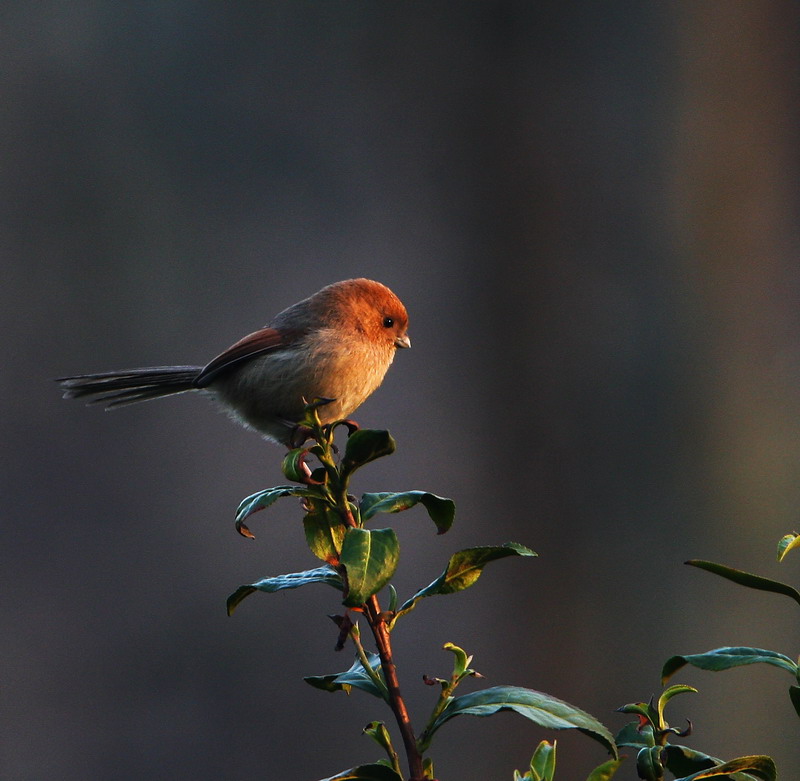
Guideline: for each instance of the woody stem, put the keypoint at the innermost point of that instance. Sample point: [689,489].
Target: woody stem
[377,624]
[373,614]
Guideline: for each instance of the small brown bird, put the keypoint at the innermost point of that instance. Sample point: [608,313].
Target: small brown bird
[337,344]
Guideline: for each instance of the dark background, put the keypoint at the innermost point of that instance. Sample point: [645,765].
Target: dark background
[590,211]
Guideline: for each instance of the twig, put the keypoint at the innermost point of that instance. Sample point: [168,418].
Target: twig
[396,701]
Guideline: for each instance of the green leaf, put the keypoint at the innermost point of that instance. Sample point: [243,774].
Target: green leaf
[356,677]
[326,575]
[463,569]
[794,695]
[759,766]
[632,736]
[370,559]
[373,772]
[666,696]
[680,760]
[747,579]
[324,532]
[378,732]
[294,465]
[543,762]
[644,709]
[787,543]
[540,708]
[606,771]
[366,445]
[327,683]
[648,764]
[441,511]
[725,659]
[461,662]
[258,501]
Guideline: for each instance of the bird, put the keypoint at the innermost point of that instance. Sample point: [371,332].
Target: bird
[335,345]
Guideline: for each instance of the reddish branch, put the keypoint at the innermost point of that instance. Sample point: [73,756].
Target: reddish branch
[396,701]
[373,614]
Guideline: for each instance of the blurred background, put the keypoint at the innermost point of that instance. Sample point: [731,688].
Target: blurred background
[591,213]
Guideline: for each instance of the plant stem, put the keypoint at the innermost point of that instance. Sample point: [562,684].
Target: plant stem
[444,699]
[362,655]
[396,701]
[374,616]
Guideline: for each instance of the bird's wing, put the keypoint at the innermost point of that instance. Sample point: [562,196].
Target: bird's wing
[259,342]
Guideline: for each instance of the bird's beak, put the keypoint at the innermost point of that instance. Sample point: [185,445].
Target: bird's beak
[402,341]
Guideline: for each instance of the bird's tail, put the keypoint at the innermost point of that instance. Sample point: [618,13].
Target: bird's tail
[115,389]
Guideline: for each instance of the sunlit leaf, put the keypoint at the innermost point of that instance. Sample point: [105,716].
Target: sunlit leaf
[461,662]
[606,771]
[441,511]
[726,658]
[543,762]
[370,559]
[787,543]
[759,766]
[466,566]
[463,569]
[326,575]
[666,696]
[378,732]
[747,579]
[540,708]
[324,532]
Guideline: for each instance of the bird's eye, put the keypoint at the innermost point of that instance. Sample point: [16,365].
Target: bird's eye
[388,322]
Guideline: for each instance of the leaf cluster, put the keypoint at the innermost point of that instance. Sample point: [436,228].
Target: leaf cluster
[729,657]
[360,561]
[656,752]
